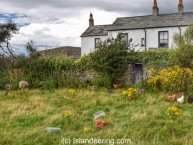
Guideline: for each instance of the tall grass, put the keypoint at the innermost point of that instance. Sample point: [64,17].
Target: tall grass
[25,116]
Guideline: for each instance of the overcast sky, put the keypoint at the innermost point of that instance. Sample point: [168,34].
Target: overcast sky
[55,23]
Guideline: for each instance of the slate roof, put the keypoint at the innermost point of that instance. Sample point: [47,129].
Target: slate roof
[163,20]
[98,30]
[141,22]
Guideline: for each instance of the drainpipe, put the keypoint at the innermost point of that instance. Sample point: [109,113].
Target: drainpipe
[145,39]
[180,30]
[180,35]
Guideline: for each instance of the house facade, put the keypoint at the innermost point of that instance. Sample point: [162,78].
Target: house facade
[142,32]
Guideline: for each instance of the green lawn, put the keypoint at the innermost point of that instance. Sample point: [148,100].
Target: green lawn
[25,116]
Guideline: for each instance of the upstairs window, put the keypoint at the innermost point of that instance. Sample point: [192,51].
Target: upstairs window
[97,42]
[163,39]
[125,38]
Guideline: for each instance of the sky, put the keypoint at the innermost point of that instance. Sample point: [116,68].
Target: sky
[57,23]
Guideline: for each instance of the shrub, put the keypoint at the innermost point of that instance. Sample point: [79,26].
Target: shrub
[183,55]
[102,81]
[50,85]
[158,59]
[110,59]
[3,78]
[173,79]
[131,93]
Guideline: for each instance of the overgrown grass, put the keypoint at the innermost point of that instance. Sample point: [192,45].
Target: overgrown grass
[25,116]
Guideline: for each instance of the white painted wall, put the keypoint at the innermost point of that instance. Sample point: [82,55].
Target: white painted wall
[136,36]
[88,44]
[152,36]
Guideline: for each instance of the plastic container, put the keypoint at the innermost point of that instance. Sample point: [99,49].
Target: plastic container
[99,114]
[53,130]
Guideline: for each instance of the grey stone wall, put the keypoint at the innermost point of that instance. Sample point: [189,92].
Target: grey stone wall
[67,51]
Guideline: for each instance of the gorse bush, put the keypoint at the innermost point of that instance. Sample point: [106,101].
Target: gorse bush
[173,79]
[131,93]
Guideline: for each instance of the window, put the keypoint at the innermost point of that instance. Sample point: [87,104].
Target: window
[142,41]
[163,39]
[97,42]
[125,37]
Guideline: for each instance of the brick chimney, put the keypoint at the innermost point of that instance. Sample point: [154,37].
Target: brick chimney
[180,7]
[155,9]
[91,21]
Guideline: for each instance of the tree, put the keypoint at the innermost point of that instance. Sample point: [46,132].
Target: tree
[183,55]
[111,58]
[6,32]
[33,54]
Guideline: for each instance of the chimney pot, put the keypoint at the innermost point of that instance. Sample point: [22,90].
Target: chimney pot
[91,21]
[155,9]
[180,7]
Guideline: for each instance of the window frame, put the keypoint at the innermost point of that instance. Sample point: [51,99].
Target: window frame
[159,40]
[97,44]
[143,42]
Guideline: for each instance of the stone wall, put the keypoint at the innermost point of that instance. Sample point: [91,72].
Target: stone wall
[130,76]
[67,51]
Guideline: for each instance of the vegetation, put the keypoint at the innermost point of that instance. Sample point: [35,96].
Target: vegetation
[183,55]
[145,119]
[110,59]
[174,79]
[157,59]
[25,117]
[6,32]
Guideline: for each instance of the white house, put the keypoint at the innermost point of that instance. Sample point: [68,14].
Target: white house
[143,32]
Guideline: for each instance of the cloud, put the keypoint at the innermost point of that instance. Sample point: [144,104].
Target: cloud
[51,23]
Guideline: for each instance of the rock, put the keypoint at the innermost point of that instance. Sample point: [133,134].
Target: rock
[142,91]
[111,92]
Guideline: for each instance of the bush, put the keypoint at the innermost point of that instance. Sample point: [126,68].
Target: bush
[174,79]
[131,93]
[49,85]
[3,78]
[157,59]
[102,81]
[111,58]
[183,55]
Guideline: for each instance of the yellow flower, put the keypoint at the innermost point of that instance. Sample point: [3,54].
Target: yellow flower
[171,121]
[71,91]
[124,92]
[152,71]
[67,114]
[172,113]
[86,130]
